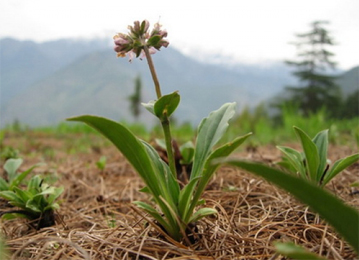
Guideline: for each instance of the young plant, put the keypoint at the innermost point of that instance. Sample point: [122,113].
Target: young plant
[313,163]
[36,202]
[14,178]
[176,208]
[101,163]
[321,201]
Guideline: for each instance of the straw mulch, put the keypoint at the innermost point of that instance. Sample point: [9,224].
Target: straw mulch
[97,220]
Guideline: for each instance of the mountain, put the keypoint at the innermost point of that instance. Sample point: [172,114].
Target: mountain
[45,83]
[349,81]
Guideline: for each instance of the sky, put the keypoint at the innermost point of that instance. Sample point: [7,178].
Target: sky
[241,31]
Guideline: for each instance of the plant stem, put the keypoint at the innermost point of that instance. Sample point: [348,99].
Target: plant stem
[153,72]
[165,122]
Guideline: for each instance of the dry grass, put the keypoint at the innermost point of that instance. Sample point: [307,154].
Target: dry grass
[98,221]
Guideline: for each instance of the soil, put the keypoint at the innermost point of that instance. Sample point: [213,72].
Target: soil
[97,219]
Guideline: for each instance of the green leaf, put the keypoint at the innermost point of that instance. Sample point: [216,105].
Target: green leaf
[210,131]
[208,170]
[295,252]
[187,152]
[310,152]
[3,185]
[168,184]
[295,158]
[185,197]
[327,205]
[339,166]
[321,141]
[20,177]
[13,198]
[203,212]
[156,215]
[138,155]
[11,166]
[128,144]
[56,193]
[166,105]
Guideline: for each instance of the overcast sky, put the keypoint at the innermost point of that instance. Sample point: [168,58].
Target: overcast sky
[248,31]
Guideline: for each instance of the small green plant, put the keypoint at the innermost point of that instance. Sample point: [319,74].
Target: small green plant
[101,163]
[321,201]
[36,202]
[177,207]
[313,163]
[14,178]
[9,152]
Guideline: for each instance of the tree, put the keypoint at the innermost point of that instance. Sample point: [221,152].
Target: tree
[317,88]
[135,98]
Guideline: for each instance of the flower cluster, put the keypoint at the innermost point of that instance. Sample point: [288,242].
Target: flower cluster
[138,38]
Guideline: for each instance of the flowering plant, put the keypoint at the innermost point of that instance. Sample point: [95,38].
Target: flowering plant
[176,209]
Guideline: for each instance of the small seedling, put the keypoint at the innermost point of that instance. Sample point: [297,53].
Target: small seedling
[101,163]
[14,178]
[9,152]
[313,163]
[36,202]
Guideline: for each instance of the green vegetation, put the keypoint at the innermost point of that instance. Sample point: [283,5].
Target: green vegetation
[177,205]
[312,163]
[326,204]
[317,89]
[36,202]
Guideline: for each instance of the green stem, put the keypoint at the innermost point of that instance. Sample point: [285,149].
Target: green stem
[153,72]
[165,122]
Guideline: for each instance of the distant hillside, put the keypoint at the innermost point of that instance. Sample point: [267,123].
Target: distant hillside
[349,81]
[42,84]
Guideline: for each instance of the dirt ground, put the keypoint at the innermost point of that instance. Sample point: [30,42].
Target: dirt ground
[97,220]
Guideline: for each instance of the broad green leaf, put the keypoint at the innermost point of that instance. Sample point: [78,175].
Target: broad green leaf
[129,145]
[34,206]
[203,212]
[3,185]
[34,185]
[13,198]
[209,169]
[310,152]
[52,197]
[168,184]
[11,166]
[134,151]
[24,195]
[321,141]
[166,105]
[210,131]
[20,177]
[327,205]
[295,252]
[339,166]
[295,158]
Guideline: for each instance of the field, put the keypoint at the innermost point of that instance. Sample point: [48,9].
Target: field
[97,220]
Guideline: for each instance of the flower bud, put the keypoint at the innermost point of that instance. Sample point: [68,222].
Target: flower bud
[133,43]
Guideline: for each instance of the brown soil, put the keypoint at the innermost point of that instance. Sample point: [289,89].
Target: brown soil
[97,220]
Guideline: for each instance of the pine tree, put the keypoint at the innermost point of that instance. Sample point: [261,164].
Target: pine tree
[317,88]
[135,98]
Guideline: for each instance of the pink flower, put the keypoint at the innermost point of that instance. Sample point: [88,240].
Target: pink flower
[133,43]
